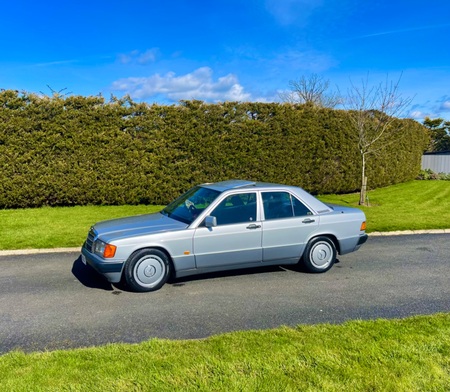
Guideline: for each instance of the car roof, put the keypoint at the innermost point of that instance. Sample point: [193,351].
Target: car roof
[230,184]
[224,186]
[236,184]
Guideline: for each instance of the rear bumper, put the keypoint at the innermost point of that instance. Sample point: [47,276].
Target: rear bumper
[362,239]
[352,244]
[111,270]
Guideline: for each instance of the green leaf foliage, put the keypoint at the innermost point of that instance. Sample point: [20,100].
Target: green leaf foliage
[64,151]
[439,133]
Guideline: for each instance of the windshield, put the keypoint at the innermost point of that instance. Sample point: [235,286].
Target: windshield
[191,204]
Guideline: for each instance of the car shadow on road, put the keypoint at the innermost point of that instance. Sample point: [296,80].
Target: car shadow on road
[299,268]
[89,277]
[223,274]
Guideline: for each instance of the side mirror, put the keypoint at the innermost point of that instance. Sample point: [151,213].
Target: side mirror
[210,221]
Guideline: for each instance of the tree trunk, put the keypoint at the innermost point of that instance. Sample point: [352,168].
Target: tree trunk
[362,194]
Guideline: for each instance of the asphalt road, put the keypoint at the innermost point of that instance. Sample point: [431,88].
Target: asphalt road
[52,301]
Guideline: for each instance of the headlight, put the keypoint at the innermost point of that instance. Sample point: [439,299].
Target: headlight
[104,249]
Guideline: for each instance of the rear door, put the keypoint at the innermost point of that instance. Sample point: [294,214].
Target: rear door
[288,224]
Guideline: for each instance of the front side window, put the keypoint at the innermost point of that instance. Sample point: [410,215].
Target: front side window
[279,205]
[238,208]
[191,204]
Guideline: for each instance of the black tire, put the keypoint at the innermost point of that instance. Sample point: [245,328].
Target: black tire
[319,255]
[147,270]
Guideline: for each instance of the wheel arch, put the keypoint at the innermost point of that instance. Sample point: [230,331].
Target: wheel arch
[332,237]
[320,253]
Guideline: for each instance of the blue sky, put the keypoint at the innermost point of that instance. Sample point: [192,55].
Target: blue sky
[221,50]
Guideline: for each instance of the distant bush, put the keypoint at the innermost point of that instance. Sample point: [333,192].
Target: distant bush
[63,151]
[429,174]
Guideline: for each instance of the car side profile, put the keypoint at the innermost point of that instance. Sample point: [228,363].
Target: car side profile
[222,226]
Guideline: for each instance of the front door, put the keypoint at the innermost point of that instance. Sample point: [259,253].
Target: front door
[237,237]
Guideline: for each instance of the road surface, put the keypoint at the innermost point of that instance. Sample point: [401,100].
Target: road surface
[52,301]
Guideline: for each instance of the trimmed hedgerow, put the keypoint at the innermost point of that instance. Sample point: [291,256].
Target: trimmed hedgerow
[63,151]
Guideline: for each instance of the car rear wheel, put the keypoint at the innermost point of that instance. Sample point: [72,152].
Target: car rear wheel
[319,255]
[147,270]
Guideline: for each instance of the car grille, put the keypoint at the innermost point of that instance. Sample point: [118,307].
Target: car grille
[90,240]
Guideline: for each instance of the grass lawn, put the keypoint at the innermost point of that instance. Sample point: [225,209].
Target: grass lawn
[409,206]
[397,355]
[413,205]
[49,227]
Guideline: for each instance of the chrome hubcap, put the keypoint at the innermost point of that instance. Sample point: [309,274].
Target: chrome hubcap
[149,271]
[321,255]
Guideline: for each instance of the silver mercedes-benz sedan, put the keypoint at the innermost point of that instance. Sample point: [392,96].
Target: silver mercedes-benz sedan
[221,226]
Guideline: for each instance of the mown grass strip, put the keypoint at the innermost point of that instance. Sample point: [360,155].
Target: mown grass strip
[397,355]
[53,227]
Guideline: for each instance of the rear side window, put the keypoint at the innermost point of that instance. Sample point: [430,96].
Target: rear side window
[299,208]
[279,205]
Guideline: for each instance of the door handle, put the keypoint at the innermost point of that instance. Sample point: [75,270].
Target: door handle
[308,220]
[253,226]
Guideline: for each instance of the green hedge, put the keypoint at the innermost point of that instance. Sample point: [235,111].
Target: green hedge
[63,151]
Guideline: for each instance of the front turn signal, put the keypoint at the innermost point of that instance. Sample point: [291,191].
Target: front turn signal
[110,251]
[363,226]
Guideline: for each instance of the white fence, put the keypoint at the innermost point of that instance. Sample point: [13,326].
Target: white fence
[438,162]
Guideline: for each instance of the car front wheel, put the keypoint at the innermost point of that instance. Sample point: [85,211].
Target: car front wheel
[147,270]
[319,255]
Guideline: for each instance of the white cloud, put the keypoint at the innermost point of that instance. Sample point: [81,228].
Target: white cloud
[420,111]
[53,63]
[136,56]
[195,85]
[417,115]
[445,106]
[433,109]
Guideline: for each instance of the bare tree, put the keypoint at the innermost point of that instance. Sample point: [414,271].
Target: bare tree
[374,111]
[312,89]
[57,94]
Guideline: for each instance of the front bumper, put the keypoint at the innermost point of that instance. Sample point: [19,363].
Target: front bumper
[111,270]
